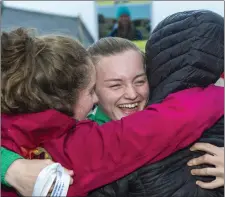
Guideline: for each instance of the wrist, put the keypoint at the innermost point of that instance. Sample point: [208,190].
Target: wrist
[12,174]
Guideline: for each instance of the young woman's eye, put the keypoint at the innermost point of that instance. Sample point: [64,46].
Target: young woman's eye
[140,82]
[115,86]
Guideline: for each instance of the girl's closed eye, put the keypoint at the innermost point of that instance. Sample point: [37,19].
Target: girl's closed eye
[140,82]
[115,86]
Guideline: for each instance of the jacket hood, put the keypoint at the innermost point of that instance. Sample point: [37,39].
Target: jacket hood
[185,50]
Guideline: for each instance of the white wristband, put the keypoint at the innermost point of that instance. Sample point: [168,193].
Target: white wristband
[54,172]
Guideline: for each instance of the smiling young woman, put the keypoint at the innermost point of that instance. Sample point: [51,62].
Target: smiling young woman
[122,86]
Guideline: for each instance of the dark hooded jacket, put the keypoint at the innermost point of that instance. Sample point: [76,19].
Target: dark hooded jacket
[185,50]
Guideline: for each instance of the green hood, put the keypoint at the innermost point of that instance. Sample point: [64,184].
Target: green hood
[98,116]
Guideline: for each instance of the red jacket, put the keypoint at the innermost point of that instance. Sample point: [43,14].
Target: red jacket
[102,154]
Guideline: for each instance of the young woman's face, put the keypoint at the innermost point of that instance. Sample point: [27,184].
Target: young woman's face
[124,20]
[121,86]
[86,98]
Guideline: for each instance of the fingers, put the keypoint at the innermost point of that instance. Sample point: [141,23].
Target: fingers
[71,181]
[70,172]
[210,185]
[207,172]
[214,156]
[209,148]
[205,159]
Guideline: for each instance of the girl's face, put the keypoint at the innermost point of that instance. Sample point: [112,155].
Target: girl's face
[86,98]
[122,86]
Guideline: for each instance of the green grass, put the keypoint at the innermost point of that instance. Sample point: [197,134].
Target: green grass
[141,44]
[100,2]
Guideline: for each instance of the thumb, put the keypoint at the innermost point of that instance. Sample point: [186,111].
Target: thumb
[70,172]
[71,181]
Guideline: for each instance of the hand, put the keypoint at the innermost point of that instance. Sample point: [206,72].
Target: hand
[214,156]
[22,174]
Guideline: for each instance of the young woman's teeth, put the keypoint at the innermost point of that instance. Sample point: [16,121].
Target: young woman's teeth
[130,106]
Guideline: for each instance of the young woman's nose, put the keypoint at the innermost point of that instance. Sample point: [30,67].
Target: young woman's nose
[131,93]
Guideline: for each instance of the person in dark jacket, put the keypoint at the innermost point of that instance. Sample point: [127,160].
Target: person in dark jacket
[125,27]
[185,50]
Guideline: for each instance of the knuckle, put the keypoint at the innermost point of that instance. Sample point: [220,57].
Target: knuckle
[194,171]
[196,146]
[205,158]
[209,146]
[221,172]
[206,171]
[193,161]
[197,161]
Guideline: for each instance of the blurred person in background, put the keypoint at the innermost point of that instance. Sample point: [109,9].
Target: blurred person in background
[125,28]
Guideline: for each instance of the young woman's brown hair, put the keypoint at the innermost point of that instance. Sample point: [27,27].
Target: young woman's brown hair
[40,73]
[112,46]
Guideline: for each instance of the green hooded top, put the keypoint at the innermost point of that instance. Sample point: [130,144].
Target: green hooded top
[98,116]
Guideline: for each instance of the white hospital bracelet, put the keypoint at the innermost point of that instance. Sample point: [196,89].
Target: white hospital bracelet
[54,172]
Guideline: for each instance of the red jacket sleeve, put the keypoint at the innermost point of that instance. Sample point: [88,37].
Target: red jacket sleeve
[102,154]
